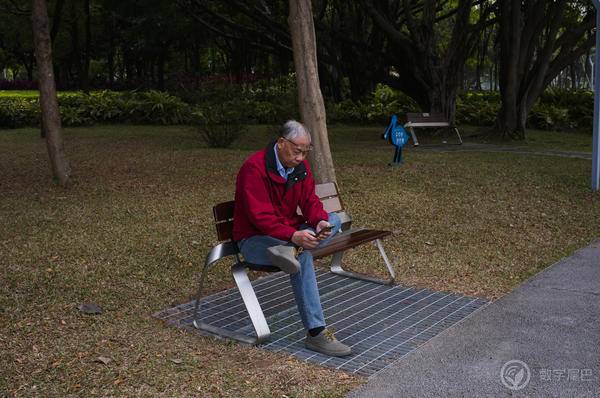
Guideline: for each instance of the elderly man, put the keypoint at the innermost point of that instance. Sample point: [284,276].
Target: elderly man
[271,185]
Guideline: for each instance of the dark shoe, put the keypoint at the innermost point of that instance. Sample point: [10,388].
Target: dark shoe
[326,343]
[284,257]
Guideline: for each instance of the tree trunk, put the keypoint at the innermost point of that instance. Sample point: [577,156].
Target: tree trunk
[310,98]
[29,65]
[430,76]
[160,69]
[75,56]
[58,6]
[510,43]
[110,65]
[574,81]
[536,44]
[48,100]
[85,73]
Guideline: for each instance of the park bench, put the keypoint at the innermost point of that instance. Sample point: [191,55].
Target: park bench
[428,120]
[347,239]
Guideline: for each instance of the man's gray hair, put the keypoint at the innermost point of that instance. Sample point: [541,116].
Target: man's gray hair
[293,129]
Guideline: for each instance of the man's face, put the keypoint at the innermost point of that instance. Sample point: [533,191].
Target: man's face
[292,152]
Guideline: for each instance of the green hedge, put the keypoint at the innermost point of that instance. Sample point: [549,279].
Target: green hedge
[377,107]
[76,109]
[19,112]
[274,101]
[555,110]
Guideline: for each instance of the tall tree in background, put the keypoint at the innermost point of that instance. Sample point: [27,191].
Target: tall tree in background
[538,39]
[48,100]
[310,98]
[430,42]
[350,46]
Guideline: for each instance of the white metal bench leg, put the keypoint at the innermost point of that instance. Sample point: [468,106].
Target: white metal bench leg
[240,276]
[460,141]
[414,136]
[337,268]
[385,259]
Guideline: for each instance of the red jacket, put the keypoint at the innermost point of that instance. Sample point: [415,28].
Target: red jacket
[265,203]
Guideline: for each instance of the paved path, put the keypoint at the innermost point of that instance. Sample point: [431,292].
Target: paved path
[551,323]
[473,147]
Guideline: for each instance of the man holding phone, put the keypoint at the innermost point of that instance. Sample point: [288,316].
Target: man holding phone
[271,185]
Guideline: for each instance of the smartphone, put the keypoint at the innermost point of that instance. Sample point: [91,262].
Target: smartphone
[322,231]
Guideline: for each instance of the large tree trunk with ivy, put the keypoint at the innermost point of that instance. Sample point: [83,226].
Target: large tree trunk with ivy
[537,41]
[48,100]
[310,98]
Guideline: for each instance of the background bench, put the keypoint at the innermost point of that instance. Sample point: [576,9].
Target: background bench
[347,239]
[428,120]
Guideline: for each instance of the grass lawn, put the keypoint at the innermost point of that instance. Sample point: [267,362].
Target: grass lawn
[132,231]
[28,93]
[19,93]
[578,141]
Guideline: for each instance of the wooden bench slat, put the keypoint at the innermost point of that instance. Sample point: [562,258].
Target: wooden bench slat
[224,230]
[326,189]
[429,120]
[428,124]
[332,205]
[223,211]
[425,115]
[348,240]
[433,118]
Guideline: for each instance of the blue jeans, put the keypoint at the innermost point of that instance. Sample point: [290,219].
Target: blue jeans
[304,282]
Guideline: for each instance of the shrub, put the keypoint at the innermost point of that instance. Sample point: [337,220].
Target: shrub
[156,107]
[265,101]
[386,101]
[347,111]
[477,108]
[74,116]
[550,117]
[220,124]
[579,104]
[101,106]
[78,108]
[19,112]
[273,101]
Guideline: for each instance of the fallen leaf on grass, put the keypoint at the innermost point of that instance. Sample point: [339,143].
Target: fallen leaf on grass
[177,360]
[90,308]
[104,360]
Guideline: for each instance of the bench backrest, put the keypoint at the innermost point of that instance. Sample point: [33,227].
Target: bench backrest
[433,117]
[223,212]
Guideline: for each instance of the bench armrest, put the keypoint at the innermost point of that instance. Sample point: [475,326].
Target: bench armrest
[220,251]
[347,240]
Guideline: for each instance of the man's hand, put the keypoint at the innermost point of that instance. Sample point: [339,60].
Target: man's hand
[323,224]
[305,238]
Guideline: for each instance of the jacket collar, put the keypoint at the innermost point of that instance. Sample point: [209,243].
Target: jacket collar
[297,175]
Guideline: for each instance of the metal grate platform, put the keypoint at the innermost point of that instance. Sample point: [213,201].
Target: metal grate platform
[381,323]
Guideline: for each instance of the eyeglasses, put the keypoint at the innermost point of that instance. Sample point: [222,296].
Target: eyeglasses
[298,150]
